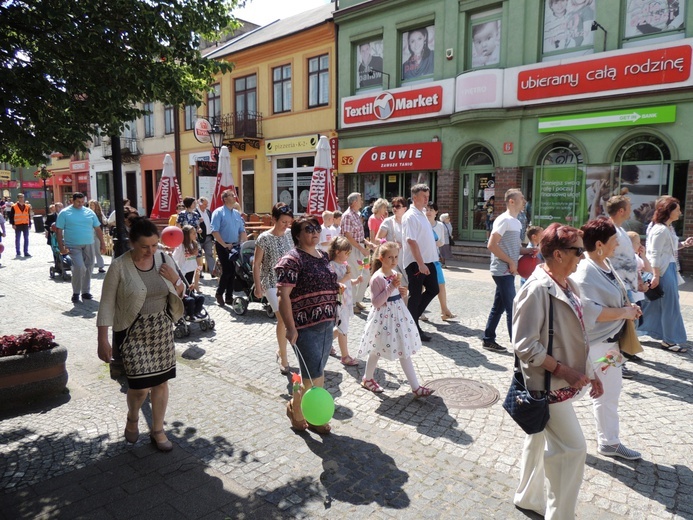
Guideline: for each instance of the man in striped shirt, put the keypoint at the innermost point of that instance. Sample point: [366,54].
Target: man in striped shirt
[505,244]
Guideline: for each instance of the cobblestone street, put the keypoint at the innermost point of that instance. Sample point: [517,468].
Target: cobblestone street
[389,456]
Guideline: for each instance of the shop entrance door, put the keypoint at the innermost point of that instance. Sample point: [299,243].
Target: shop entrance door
[477,187]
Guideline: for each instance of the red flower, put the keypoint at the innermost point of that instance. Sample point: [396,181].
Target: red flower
[296,378]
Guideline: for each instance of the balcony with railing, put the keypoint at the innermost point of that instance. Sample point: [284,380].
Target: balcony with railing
[241,129]
[129,147]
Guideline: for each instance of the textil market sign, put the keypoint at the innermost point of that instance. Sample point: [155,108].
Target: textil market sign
[629,117]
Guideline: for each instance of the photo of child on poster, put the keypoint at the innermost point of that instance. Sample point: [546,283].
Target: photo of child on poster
[654,16]
[568,24]
[486,41]
[369,64]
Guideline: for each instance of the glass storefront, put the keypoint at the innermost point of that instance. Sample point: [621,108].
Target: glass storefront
[292,180]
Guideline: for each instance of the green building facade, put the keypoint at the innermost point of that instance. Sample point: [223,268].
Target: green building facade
[571,100]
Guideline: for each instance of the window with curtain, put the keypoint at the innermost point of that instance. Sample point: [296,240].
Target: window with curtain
[190,116]
[149,120]
[214,104]
[281,83]
[318,81]
[168,119]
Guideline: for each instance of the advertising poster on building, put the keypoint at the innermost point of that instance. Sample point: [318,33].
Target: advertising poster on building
[486,43]
[641,183]
[568,24]
[369,64]
[645,17]
[417,52]
[558,196]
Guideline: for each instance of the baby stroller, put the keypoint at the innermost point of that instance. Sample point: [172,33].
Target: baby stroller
[194,312]
[62,264]
[244,281]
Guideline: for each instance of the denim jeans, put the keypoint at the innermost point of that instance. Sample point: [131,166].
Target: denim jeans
[22,229]
[314,344]
[502,302]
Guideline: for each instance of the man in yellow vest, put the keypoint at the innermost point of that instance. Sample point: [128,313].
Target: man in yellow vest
[20,219]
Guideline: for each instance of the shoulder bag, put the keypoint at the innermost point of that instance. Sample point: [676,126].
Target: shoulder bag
[529,412]
[628,340]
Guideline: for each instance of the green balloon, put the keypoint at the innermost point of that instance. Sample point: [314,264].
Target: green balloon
[317,406]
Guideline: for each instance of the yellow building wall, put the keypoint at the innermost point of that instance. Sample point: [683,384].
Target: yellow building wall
[296,50]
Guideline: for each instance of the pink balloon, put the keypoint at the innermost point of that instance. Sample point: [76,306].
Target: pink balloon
[2,248]
[526,265]
[172,236]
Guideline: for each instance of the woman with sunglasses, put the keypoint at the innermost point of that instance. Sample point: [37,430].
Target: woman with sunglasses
[549,292]
[308,292]
[607,308]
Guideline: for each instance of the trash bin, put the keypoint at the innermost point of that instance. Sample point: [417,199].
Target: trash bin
[39,227]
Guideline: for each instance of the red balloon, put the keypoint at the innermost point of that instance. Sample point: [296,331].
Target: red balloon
[172,236]
[2,248]
[526,265]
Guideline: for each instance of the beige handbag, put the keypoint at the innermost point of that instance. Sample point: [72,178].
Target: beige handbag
[629,342]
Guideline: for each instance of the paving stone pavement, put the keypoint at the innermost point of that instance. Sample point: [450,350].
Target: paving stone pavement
[390,456]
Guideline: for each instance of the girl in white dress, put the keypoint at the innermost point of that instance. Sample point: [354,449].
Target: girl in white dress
[338,251]
[390,330]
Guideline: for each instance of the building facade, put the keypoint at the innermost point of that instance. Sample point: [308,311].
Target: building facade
[273,106]
[572,101]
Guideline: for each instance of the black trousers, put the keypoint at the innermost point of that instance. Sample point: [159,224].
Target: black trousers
[228,273]
[418,298]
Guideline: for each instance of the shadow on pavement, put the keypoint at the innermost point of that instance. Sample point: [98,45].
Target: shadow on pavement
[139,483]
[463,354]
[358,472]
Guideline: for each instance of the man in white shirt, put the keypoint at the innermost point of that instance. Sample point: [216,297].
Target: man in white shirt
[420,252]
[205,237]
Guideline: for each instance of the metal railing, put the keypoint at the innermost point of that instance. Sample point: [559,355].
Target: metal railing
[128,146]
[238,125]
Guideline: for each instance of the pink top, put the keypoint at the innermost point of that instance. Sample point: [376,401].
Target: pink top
[374,225]
[381,289]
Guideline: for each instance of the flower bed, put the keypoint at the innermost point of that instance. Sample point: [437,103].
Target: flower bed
[32,366]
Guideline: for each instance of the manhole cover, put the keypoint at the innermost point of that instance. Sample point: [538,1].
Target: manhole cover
[464,393]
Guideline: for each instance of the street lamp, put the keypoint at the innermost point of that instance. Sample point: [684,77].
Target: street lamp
[216,134]
[596,25]
[372,72]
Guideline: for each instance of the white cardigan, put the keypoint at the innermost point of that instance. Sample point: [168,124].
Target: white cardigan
[124,292]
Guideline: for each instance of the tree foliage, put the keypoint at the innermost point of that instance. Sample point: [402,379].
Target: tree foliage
[68,65]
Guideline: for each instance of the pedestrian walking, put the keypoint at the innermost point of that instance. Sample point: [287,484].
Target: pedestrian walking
[141,300]
[75,230]
[420,252]
[505,244]
[308,292]
[20,220]
[339,252]
[228,230]
[205,236]
[352,229]
[606,309]
[390,331]
[391,231]
[556,455]
[96,208]
[270,247]
[438,235]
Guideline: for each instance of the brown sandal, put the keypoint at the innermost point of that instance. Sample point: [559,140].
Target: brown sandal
[132,437]
[299,426]
[325,429]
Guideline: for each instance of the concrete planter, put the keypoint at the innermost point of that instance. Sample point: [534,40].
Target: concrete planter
[32,376]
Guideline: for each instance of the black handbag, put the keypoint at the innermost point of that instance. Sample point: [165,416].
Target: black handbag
[654,294]
[529,412]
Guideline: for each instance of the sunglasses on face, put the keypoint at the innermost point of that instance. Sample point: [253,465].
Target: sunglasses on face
[310,228]
[578,250]
[397,206]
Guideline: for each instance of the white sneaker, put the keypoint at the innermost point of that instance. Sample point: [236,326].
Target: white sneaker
[618,451]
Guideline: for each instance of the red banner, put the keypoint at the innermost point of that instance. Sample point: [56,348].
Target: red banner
[32,184]
[640,69]
[401,157]
[386,105]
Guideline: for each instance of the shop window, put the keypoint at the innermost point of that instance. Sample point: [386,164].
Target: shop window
[281,83]
[477,181]
[418,46]
[485,39]
[248,185]
[478,157]
[653,21]
[369,64]
[559,186]
[169,114]
[390,185]
[214,103]
[148,119]
[568,27]
[293,175]
[319,81]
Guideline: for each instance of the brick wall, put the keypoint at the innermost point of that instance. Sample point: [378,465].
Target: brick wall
[506,178]
[448,196]
[686,255]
